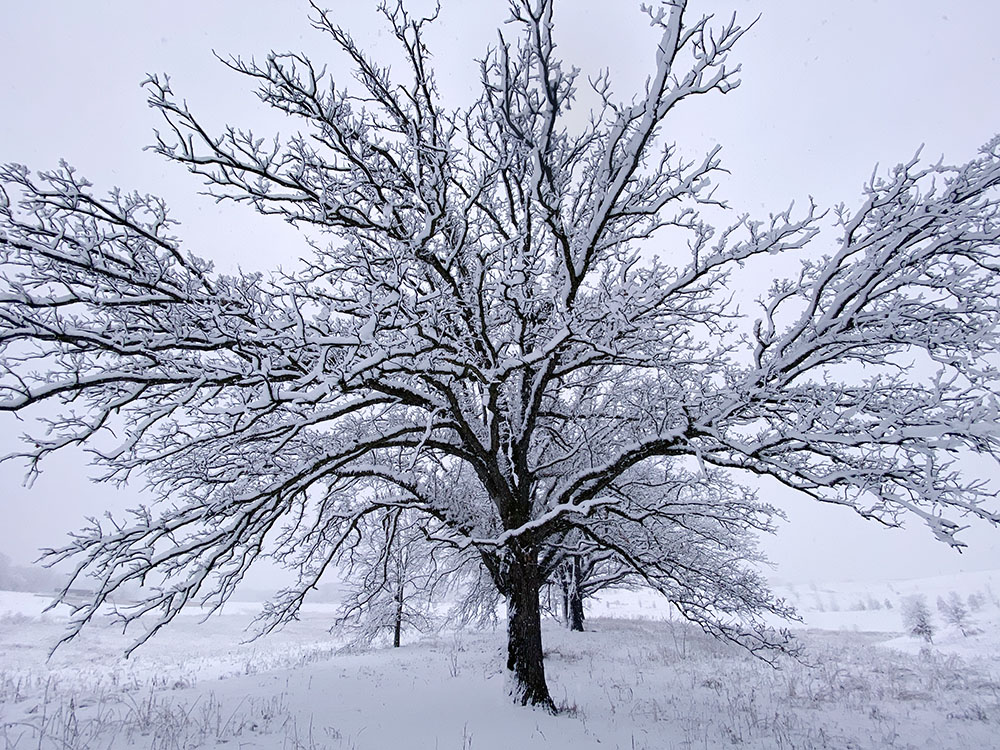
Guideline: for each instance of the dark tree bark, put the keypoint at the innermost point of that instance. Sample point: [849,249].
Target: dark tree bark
[574,597]
[570,578]
[524,631]
[576,613]
[397,630]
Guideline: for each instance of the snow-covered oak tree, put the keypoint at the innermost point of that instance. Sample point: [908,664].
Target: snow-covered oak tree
[581,576]
[513,324]
[698,544]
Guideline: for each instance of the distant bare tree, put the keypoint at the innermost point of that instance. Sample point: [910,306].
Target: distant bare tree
[393,572]
[954,612]
[581,576]
[713,523]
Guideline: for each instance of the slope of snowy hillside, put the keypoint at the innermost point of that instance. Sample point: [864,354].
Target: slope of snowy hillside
[873,606]
[876,606]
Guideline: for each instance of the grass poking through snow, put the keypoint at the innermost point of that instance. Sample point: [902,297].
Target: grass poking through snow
[629,684]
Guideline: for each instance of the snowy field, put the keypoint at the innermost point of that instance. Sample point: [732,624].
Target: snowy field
[636,680]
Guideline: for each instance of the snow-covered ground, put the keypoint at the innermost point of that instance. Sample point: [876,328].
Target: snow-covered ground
[637,679]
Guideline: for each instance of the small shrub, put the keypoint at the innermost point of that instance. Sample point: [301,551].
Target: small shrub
[954,612]
[917,617]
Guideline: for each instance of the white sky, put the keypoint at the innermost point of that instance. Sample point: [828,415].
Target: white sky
[829,90]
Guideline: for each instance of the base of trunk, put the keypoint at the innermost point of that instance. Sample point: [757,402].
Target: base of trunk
[527,695]
[524,641]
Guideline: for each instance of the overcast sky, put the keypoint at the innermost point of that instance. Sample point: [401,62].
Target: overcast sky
[830,89]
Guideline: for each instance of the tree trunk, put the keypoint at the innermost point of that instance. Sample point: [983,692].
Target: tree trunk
[576,613]
[524,633]
[399,618]
[570,574]
[564,588]
[574,598]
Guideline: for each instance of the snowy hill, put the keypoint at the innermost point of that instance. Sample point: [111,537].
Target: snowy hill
[636,680]
[875,606]
[872,606]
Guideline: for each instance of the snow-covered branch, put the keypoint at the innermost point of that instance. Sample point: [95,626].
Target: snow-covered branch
[520,337]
